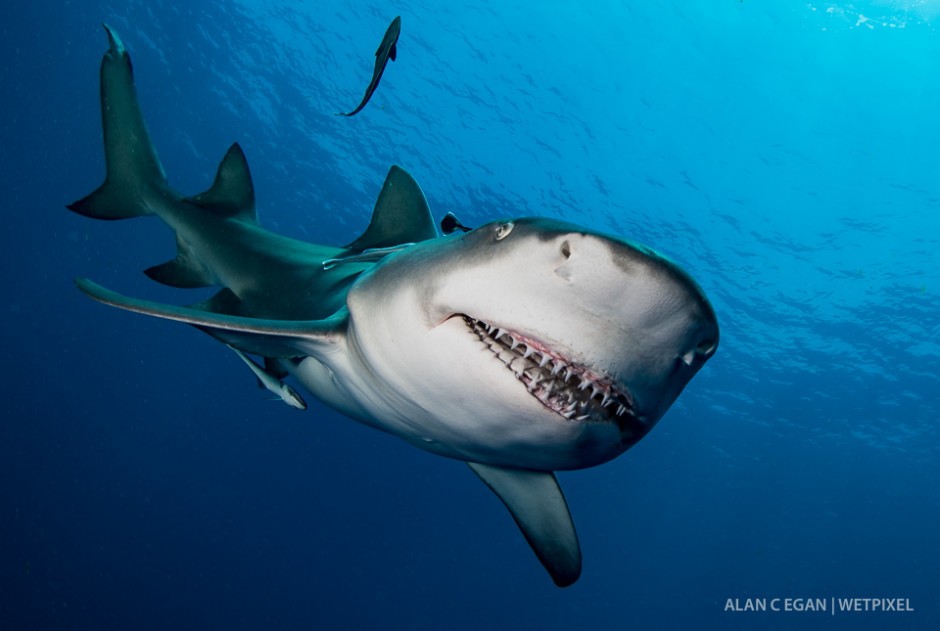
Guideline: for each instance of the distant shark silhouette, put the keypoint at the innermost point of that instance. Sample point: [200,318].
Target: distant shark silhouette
[521,347]
[388,49]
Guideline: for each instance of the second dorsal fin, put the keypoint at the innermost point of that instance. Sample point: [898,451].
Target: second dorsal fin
[232,193]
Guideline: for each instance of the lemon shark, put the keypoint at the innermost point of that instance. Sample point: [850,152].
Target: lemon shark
[522,347]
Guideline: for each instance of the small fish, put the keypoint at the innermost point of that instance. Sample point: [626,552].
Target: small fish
[388,49]
[370,255]
[450,224]
[283,391]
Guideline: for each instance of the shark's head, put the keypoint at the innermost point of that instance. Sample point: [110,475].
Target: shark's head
[566,345]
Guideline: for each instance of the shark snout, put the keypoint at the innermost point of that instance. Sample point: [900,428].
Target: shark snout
[700,340]
[677,306]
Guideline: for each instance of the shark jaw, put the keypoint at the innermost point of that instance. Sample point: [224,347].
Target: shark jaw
[573,391]
[546,346]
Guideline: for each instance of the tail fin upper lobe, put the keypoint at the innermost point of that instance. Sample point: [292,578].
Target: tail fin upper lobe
[133,168]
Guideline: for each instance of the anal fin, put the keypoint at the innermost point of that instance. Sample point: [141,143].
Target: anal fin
[538,505]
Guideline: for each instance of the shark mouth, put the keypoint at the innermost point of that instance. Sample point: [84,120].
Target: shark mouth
[561,385]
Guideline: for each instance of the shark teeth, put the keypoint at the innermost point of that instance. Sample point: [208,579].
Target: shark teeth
[571,390]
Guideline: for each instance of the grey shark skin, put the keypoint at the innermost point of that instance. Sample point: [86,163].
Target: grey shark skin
[521,347]
[388,49]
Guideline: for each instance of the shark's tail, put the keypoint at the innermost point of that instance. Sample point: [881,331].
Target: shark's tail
[134,171]
[135,179]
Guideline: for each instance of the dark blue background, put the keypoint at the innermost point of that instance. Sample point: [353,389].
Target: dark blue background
[784,153]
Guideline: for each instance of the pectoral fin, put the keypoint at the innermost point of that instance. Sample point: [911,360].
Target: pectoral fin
[268,338]
[541,512]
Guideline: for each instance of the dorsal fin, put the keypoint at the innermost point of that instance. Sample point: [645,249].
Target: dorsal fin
[401,215]
[232,193]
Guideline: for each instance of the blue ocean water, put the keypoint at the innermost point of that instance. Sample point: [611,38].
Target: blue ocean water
[785,153]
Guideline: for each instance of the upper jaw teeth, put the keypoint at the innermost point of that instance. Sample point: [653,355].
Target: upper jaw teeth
[570,390]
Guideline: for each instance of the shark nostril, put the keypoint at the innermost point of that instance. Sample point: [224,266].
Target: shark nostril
[566,249]
[707,347]
[696,356]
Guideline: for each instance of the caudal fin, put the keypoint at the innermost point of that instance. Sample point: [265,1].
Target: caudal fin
[134,171]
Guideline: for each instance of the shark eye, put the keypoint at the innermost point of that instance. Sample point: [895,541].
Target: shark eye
[503,230]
